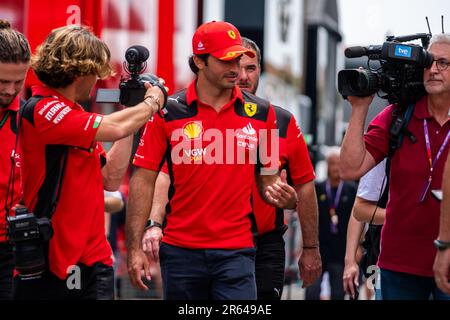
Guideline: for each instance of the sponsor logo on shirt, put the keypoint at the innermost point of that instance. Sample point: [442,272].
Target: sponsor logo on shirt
[62,114]
[54,110]
[88,122]
[248,138]
[191,144]
[193,130]
[248,129]
[195,154]
[250,108]
[46,106]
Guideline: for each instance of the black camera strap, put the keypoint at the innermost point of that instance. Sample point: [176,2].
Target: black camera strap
[384,194]
[12,115]
[400,120]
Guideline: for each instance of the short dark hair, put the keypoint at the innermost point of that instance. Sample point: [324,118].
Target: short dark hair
[192,64]
[250,44]
[14,46]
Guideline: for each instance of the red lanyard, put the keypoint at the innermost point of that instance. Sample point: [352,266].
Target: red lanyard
[430,159]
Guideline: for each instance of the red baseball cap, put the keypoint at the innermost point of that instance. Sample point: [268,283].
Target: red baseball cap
[220,39]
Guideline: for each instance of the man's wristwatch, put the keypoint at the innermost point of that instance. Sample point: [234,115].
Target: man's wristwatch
[441,245]
[151,224]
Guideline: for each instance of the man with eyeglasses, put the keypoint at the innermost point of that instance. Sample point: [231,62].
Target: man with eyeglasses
[412,213]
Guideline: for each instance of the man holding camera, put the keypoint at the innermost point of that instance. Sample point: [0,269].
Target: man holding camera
[207,251]
[14,64]
[412,214]
[65,169]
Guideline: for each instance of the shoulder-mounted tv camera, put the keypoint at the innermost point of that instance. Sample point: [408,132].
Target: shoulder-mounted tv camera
[131,89]
[29,236]
[400,76]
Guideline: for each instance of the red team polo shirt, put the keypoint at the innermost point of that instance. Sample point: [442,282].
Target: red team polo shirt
[294,157]
[8,140]
[210,206]
[78,222]
[410,226]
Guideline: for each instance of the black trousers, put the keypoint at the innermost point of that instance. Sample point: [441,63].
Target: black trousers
[94,282]
[269,266]
[6,271]
[336,271]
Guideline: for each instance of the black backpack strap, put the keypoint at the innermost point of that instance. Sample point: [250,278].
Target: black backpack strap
[13,123]
[50,190]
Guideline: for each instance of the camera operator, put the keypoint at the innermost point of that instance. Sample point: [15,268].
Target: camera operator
[68,63]
[14,64]
[412,214]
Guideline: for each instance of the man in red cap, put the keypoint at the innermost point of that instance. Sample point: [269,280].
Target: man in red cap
[207,251]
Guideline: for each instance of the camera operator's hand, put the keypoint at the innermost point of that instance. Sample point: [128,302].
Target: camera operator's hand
[360,102]
[155,95]
[150,243]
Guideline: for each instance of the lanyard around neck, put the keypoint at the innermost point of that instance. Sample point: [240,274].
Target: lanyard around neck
[333,204]
[431,162]
[5,117]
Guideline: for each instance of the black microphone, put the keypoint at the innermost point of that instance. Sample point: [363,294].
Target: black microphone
[356,52]
[137,54]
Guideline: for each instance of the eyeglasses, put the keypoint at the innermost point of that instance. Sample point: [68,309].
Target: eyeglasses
[441,64]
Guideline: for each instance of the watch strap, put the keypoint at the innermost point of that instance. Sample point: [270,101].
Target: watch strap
[151,223]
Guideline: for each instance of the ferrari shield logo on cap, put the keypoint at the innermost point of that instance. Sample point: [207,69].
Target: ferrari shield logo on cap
[250,108]
[231,34]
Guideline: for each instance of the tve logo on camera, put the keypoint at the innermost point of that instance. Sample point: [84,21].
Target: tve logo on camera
[403,51]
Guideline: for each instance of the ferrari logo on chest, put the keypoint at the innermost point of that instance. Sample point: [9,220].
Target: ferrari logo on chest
[250,108]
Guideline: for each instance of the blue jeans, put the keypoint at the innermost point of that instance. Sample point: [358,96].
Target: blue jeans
[404,286]
[204,274]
